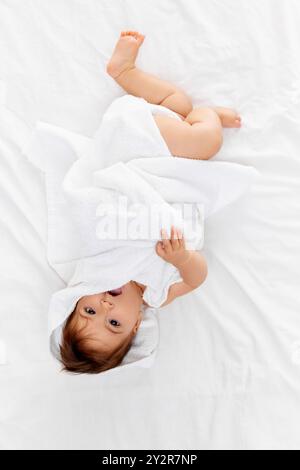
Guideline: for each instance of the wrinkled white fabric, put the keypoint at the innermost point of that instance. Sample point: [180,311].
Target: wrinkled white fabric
[127,159]
[227,367]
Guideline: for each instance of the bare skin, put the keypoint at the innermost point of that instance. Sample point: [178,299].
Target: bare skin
[199,134]
[108,319]
[151,88]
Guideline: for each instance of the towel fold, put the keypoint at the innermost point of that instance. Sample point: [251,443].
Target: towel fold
[108,198]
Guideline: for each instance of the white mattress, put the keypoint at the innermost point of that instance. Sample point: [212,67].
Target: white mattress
[227,373]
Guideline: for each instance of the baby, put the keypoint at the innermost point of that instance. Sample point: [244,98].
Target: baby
[99,332]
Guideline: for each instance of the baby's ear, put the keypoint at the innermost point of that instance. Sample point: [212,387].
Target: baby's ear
[138,322]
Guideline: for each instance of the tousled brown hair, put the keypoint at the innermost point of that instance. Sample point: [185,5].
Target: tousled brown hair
[79,358]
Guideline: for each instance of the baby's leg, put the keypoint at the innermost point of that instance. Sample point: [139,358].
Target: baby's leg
[200,136]
[122,68]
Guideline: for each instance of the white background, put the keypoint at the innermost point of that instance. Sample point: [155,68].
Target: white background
[227,374]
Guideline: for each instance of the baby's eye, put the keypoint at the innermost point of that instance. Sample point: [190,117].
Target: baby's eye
[89,310]
[114,323]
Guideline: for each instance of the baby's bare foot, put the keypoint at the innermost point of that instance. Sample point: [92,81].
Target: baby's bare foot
[229,117]
[125,52]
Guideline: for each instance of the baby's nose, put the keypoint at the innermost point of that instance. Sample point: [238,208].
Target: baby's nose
[106,303]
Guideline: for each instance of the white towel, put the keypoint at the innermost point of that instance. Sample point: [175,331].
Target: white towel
[127,161]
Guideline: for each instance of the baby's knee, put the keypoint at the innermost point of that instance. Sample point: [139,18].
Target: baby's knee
[179,102]
[216,138]
[210,140]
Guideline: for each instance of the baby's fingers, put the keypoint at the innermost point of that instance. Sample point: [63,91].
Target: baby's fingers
[160,249]
[175,238]
[180,238]
[165,241]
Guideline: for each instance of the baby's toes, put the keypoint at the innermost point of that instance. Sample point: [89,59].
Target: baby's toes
[140,39]
[138,36]
[133,33]
[141,36]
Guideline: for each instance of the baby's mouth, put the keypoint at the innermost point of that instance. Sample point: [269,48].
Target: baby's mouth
[115,292]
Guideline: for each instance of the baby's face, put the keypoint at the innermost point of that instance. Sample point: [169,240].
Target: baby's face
[109,319]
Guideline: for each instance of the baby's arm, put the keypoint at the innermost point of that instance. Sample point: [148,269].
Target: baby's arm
[191,264]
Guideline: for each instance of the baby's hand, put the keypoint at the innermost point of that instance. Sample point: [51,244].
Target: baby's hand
[172,250]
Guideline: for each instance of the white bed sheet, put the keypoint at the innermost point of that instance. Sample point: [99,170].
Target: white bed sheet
[227,373]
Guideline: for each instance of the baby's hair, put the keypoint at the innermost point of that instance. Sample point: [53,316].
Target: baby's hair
[78,357]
